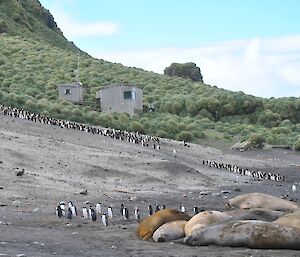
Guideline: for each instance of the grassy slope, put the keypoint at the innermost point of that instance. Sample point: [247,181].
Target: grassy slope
[35,58]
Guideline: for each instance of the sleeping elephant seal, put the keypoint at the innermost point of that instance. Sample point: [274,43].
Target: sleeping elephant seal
[147,227]
[260,200]
[204,219]
[247,233]
[172,230]
[291,220]
[255,214]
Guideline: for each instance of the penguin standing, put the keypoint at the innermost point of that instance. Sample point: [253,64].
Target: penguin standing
[110,212]
[73,209]
[58,212]
[136,213]
[182,208]
[85,213]
[93,215]
[121,209]
[150,209]
[90,212]
[69,214]
[164,206]
[157,207]
[104,220]
[63,209]
[196,210]
[98,208]
[294,188]
[125,213]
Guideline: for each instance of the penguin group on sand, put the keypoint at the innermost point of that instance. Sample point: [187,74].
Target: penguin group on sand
[122,135]
[95,213]
[242,171]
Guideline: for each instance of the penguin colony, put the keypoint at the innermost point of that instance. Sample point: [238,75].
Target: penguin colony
[132,137]
[105,215]
[241,171]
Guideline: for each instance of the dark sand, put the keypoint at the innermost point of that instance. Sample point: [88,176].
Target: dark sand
[60,163]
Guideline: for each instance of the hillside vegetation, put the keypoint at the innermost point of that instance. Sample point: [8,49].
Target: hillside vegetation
[35,58]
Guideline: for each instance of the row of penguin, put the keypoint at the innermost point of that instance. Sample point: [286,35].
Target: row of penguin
[95,213]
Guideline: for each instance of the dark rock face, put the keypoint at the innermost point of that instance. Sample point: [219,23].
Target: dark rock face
[186,70]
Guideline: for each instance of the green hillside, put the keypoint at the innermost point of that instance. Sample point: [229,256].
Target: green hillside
[35,58]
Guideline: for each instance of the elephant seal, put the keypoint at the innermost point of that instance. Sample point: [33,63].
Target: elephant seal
[147,227]
[291,220]
[260,200]
[204,219]
[169,231]
[255,214]
[247,233]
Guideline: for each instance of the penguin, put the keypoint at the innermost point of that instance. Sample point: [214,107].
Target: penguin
[136,213]
[110,212]
[69,214]
[73,209]
[125,213]
[121,209]
[104,220]
[93,215]
[90,212]
[157,207]
[98,208]
[182,208]
[196,210]
[63,209]
[58,212]
[150,210]
[164,206]
[294,188]
[85,213]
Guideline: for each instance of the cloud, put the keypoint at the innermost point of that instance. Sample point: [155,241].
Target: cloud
[261,67]
[74,29]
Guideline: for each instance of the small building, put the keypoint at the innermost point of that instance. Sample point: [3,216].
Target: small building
[71,92]
[120,98]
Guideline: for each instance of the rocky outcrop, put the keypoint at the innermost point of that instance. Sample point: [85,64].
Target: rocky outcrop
[186,70]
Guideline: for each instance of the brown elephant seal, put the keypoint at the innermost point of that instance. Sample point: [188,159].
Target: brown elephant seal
[255,214]
[247,233]
[172,230]
[260,200]
[204,219]
[147,227]
[291,220]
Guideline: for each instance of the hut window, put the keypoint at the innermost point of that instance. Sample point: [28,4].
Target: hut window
[127,95]
[67,91]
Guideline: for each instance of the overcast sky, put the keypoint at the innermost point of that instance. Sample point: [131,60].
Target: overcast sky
[241,45]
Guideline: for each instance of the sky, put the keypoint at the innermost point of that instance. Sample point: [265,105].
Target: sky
[240,45]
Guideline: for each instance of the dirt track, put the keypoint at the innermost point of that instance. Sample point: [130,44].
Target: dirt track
[60,163]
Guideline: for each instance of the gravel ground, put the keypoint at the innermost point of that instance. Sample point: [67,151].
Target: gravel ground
[61,163]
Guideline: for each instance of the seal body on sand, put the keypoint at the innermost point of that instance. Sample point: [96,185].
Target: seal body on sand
[147,227]
[260,200]
[291,220]
[247,233]
[204,219]
[170,231]
[255,214]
